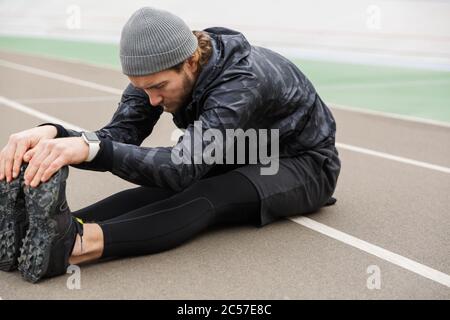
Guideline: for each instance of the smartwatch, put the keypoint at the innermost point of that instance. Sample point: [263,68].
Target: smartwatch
[93,142]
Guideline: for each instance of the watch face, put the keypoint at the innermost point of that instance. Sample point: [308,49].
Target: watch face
[91,137]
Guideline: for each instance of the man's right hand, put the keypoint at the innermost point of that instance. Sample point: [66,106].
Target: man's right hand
[11,156]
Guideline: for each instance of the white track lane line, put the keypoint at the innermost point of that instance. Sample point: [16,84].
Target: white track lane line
[403,262]
[97,86]
[388,84]
[392,157]
[60,77]
[367,247]
[389,115]
[68,100]
[53,75]
[37,114]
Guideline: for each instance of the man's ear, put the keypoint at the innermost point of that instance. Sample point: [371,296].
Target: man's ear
[192,62]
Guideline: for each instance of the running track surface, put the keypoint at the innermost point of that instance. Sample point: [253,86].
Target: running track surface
[392,214]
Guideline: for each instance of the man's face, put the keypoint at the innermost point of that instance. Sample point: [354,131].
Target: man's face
[168,88]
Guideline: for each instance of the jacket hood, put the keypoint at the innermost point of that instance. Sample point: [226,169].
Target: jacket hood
[228,48]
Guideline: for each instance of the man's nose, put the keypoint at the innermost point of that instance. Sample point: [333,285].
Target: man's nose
[155,100]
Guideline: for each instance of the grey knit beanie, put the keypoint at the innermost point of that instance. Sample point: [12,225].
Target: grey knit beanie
[153,40]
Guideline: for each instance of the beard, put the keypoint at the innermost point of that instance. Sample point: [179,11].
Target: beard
[185,94]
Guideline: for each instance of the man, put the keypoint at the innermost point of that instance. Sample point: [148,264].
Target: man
[216,85]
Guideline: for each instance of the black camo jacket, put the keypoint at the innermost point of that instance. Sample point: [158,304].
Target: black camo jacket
[241,86]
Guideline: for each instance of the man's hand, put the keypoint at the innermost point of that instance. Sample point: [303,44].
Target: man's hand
[48,156]
[11,156]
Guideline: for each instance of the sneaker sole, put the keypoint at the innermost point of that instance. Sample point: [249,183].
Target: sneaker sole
[41,206]
[10,240]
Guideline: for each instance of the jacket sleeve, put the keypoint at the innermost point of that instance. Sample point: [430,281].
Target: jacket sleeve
[132,122]
[178,167]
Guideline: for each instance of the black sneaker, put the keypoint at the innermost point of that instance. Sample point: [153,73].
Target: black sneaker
[51,236]
[13,221]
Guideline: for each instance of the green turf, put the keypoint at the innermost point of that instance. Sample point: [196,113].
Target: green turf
[103,54]
[388,89]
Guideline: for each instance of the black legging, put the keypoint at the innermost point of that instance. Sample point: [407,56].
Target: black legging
[147,220]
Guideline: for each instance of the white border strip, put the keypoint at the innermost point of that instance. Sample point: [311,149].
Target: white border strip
[377,251]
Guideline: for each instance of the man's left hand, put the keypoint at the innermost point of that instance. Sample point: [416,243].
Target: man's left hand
[50,155]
